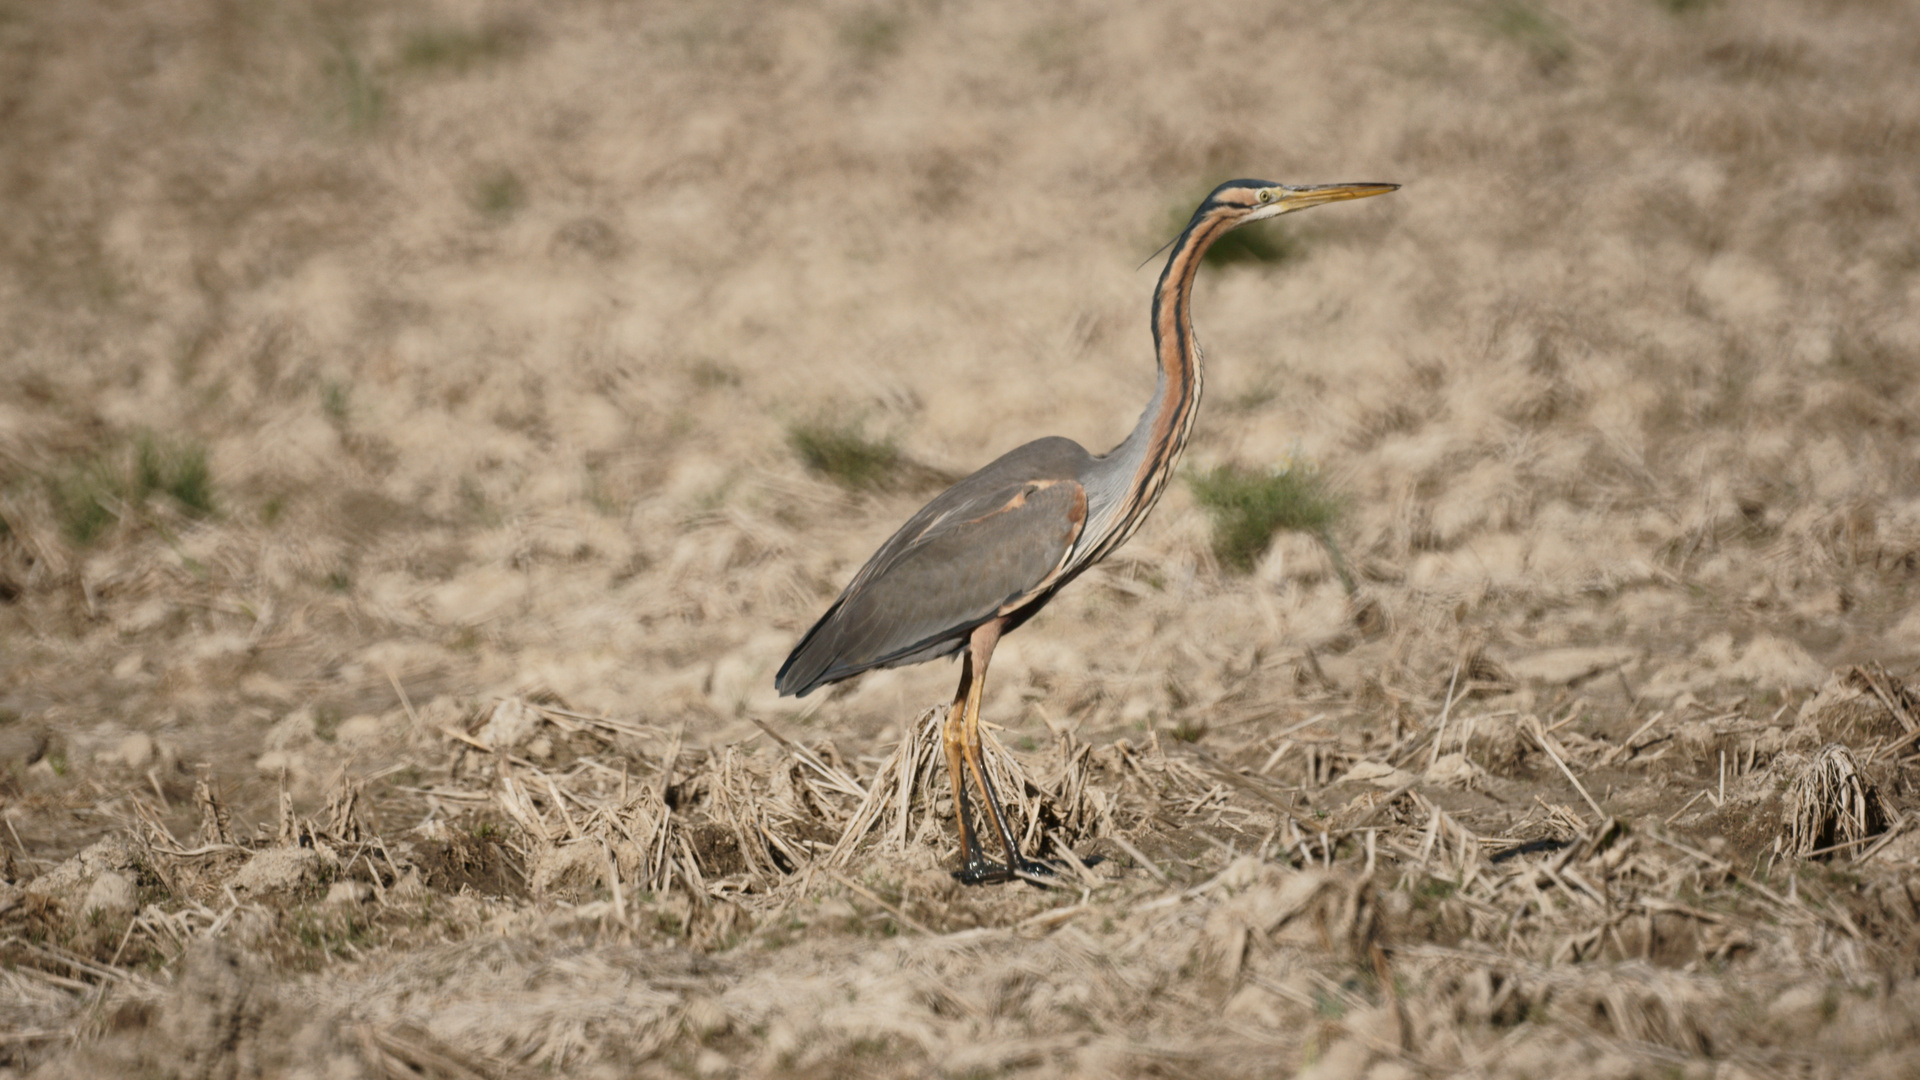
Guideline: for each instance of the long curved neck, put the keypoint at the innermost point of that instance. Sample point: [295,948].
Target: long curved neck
[1128,480]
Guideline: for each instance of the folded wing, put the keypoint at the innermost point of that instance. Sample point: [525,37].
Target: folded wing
[977,551]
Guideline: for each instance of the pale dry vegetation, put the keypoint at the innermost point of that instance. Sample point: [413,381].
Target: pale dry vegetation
[423,431]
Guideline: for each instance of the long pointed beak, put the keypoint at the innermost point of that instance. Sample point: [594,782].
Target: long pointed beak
[1299,198]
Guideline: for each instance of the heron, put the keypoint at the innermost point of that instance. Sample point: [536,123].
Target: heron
[989,552]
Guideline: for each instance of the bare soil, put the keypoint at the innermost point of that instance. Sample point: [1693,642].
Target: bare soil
[406,499]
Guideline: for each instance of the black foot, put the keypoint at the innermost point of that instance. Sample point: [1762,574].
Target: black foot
[987,872]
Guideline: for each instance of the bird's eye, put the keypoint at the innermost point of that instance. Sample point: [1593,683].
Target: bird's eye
[1266,195]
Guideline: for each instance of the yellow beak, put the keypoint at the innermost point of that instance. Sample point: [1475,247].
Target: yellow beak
[1289,199]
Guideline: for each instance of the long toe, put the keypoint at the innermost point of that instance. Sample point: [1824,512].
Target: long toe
[983,872]
[1040,875]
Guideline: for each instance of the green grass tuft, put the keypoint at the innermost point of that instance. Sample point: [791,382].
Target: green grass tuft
[1249,505]
[1263,243]
[845,455]
[84,497]
[89,496]
[872,35]
[177,469]
[499,194]
[475,506]
[359,101]
[336,397]
[1535,29]
[456,50]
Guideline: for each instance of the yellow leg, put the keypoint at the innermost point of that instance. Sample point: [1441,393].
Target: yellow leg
[953,740]
[973,687]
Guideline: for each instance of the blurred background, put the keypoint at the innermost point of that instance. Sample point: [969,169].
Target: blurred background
[582,351]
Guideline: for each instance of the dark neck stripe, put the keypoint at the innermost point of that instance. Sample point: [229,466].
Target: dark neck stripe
[1179,363]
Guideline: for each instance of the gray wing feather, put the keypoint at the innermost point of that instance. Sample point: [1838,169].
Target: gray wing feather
[988,540]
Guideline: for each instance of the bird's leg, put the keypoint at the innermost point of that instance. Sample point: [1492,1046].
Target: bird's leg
[979,652]
[953,739]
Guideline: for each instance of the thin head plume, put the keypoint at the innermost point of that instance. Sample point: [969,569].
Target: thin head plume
[1157,251]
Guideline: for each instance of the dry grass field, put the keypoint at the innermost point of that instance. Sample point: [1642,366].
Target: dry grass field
[424,428]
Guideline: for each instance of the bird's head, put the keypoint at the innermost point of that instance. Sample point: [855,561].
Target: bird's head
[1241,201]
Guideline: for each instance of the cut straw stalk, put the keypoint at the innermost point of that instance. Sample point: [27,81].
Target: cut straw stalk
[1440,729]
[1626,746]
[1152,868]
[1546,744]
